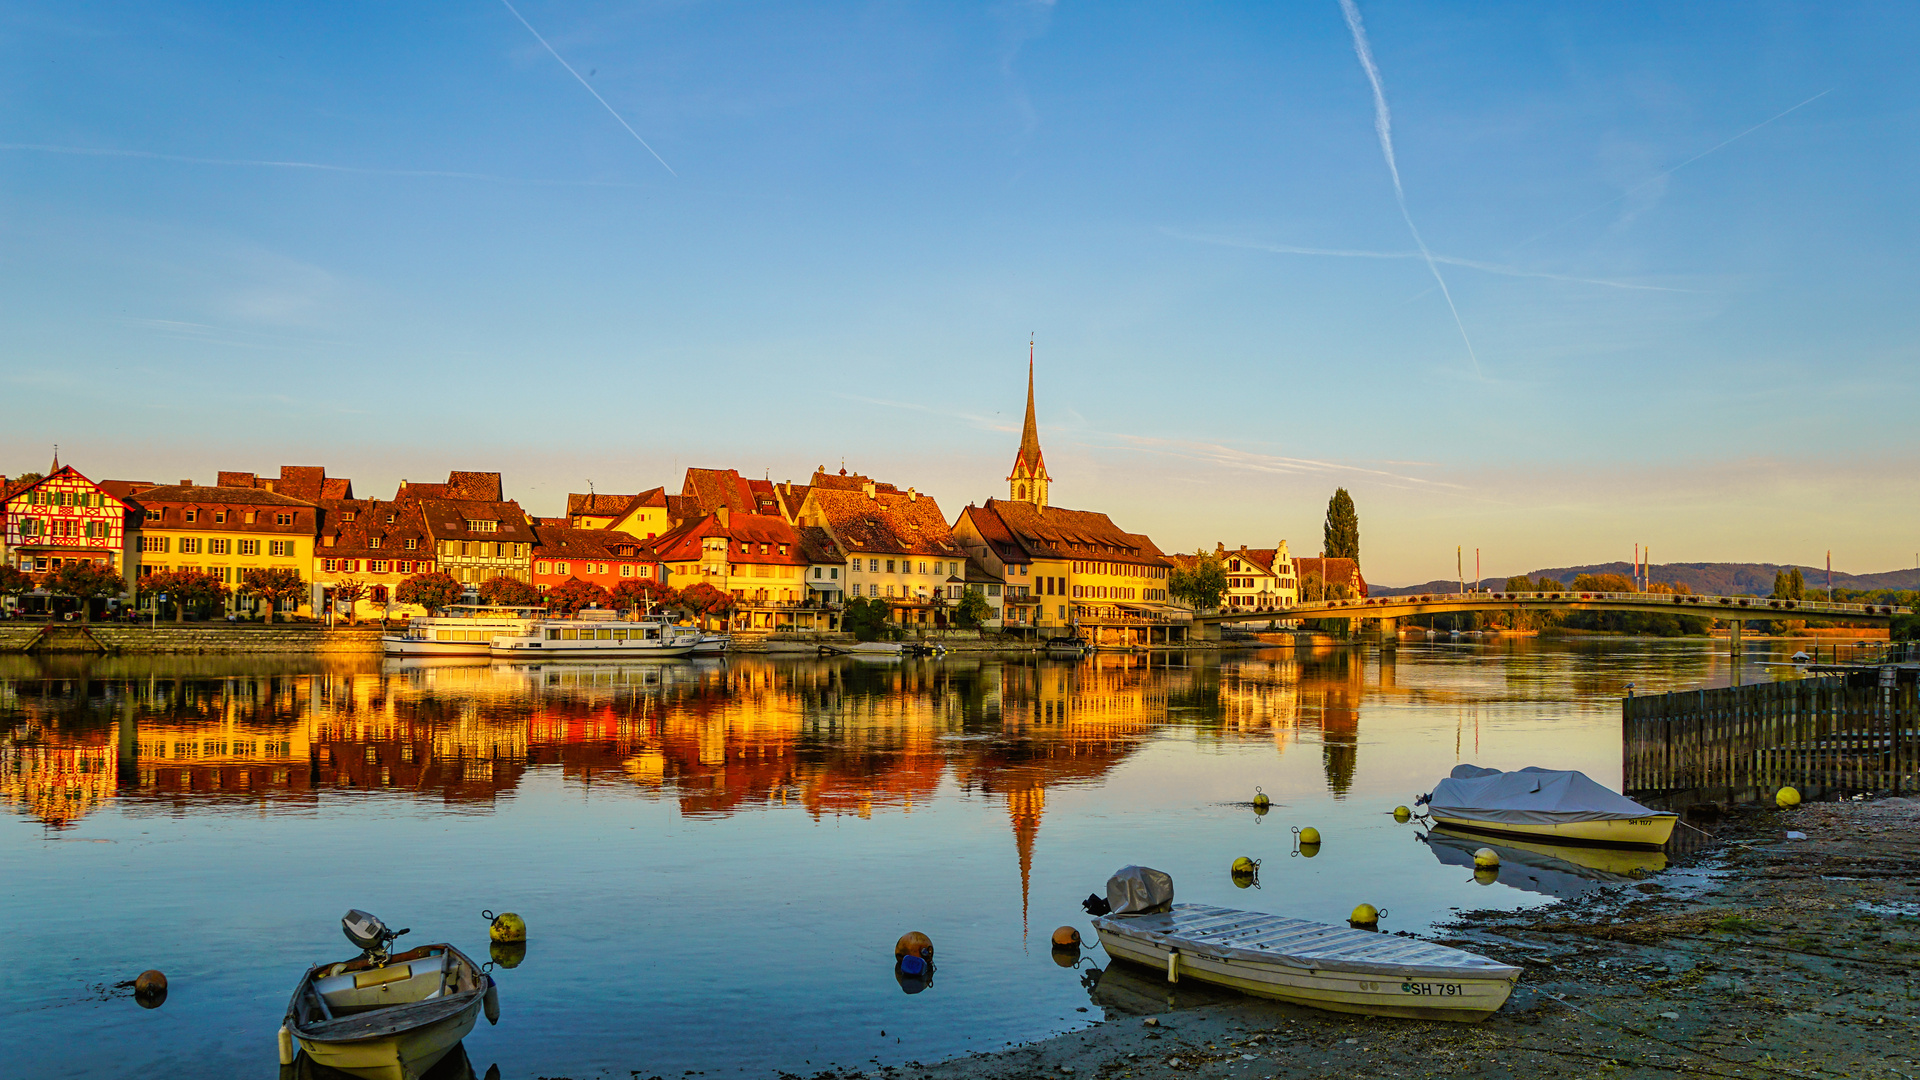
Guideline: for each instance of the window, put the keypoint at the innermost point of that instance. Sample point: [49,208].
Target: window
[543,568]
[283,519]
[889,570]
[873,565]
[219,515]
[279,548]
[413,543]
[247,547]
[1023,571]
[153,515]
[833,573]
[923,567]
[889,590]
[993,590]
[374,542]
[189,545]
[218,546]
[403,568]
[856,589]
[626,569]
[154,543]
[377,566]
[251,515]
[561,568]
[97,529]
[193,515]
[477,525]
[327,566]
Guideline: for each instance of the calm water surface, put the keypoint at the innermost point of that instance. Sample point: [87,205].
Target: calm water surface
[714,859]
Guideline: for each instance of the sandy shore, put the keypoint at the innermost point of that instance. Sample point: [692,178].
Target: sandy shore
[1757,956]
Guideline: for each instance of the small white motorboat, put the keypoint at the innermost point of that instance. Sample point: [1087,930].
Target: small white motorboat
[382,1015]
[1552,805]
[711,644]
[1336,968]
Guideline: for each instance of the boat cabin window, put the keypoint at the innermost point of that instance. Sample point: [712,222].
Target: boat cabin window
[553,635]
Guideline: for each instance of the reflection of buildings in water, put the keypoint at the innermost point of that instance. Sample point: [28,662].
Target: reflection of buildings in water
[58,783]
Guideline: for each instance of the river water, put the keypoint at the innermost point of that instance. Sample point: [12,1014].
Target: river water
[715,858]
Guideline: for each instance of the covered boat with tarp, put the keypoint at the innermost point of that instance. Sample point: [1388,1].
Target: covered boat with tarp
[1553,805]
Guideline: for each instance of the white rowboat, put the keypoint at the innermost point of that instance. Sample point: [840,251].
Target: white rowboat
[1554,806]
[1310,963]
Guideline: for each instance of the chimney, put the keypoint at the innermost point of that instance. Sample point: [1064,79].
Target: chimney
[912,495]
[722,517]
[868,488]
[186,483]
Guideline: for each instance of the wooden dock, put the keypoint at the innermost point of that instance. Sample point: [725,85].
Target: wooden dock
[1846,733]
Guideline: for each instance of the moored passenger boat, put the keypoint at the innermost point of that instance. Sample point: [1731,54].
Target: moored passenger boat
[600,635]
[462,630]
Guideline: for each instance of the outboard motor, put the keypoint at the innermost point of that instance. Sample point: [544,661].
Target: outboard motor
[368,933]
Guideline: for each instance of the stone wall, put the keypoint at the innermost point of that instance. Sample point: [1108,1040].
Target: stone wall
[213,639]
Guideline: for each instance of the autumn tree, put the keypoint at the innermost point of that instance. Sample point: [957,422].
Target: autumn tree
[272,584]
[86,582]
[1201,585]
[350,590]
[14,581]
[643,594]
[571,595]
[432,591]
[703,599]
[183,588]
[1341,535]
[865,619]
[504,591]
[1590,583]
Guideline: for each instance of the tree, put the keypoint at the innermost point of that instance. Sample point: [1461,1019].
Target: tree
[1521,584]
[272,584]
[644,594]
[865,619]
[973,608]
[87,582]
[1202,585]
[504,591]
[14,581]
[1603,583]
[431,591]
[1342,532]
[571,595]
[184,587]
[351,590]
[703,599]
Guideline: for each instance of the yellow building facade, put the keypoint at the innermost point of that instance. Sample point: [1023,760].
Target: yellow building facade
[226,532]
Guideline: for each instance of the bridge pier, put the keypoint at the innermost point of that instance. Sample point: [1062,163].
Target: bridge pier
[1205,631]
[1389,633]
[1734,626]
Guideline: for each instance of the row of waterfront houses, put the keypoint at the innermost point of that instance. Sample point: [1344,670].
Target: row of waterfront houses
[790,555]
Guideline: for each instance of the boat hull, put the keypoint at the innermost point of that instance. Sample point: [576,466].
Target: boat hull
[402,646]
[1645,832]
[585,651]
[405,1056]
[1464,1000]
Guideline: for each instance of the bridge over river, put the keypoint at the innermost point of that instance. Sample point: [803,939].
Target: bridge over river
[1386,610]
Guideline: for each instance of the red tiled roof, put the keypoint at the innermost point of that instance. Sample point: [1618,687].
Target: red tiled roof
[845,482]
[1058,533]
[683,544]
[596,505]
[1333,572]
[818,545]
[447,519]
[308,483]
[889,523]
[353,525]
[194,495]
[560,542]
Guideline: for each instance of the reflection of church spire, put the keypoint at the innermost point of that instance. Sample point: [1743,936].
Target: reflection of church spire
[1025,808]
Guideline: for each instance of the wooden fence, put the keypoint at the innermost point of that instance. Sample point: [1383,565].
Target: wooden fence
[1843,733]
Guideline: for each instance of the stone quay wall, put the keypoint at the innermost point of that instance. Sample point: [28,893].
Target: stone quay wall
[191,639]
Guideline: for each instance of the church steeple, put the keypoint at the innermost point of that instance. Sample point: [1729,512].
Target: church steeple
[1029,480]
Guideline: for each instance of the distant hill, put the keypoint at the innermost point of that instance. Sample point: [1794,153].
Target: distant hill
[1713,579]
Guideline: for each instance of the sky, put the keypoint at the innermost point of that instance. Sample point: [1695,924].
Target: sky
[1564,279]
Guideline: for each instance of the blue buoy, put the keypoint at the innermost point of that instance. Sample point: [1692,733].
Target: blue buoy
[912,965]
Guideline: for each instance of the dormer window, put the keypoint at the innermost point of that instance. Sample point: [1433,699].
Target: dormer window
[389,519]
[413,543]
[219,516]
[193,515]
[478,525]
[374,542]
[348,516]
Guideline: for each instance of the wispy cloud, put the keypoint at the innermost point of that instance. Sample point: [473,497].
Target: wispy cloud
[583,82]
[1233,457]
[1469,264]
[1383,127]
[1664,173]
[96,151]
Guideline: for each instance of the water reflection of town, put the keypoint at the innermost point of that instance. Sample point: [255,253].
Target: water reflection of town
[824,737]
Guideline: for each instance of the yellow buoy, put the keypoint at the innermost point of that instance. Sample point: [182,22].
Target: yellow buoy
[1366,915]
[1244,865]
[1402,814]
[1786,797]
[1486,875]
[507,954]
[913,943]
[506,926]
[1260,800]
[1309,835]
[1486,857]
[1309,850]
[1064,938]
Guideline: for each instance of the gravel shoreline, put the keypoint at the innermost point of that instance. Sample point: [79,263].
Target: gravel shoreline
[1754,956]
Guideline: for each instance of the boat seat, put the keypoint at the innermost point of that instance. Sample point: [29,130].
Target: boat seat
[417,979]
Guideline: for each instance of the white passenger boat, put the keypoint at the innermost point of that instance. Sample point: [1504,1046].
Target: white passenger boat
[1308,963]
[1550,805]
[386,1016]
[464,630]
[598,635]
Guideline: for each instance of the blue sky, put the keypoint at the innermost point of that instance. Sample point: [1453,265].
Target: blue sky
[395,240]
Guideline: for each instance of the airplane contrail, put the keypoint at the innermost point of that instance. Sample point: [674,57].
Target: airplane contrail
[1383,127]
[589,86]
[95,151]
[1470,264]
[1664,173]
